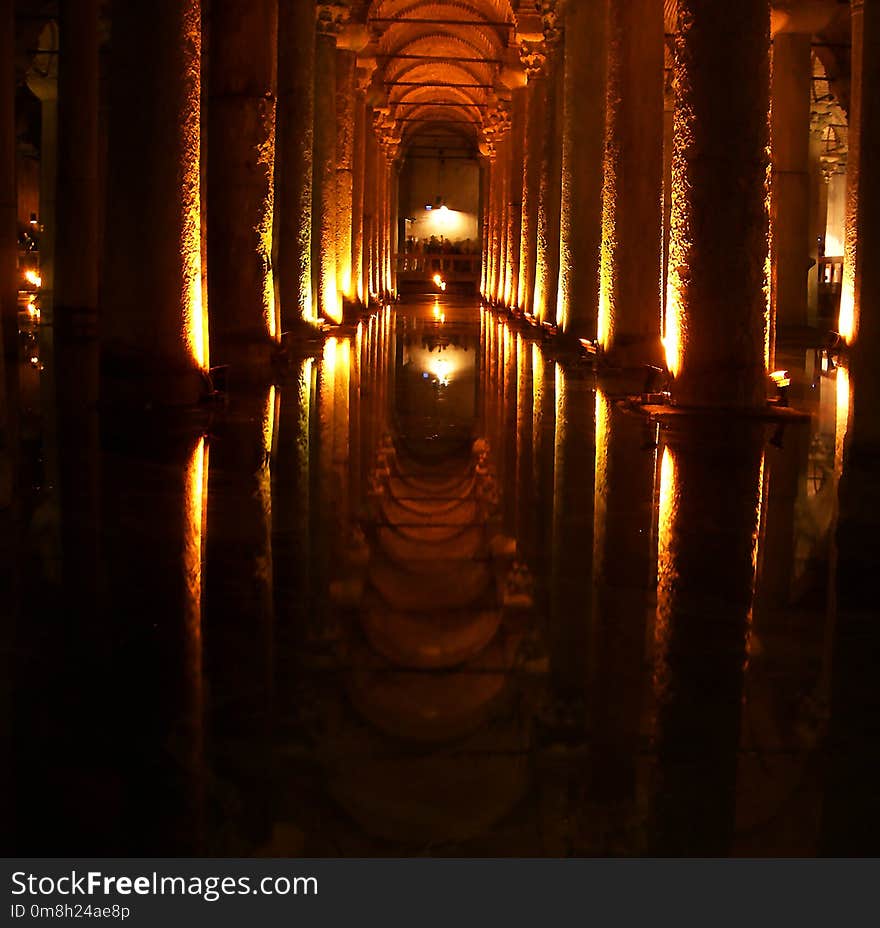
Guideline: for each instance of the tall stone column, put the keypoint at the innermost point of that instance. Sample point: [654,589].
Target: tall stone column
[76,288]
[514,203]
[154,324]
[8,252]
[293,165]
[393,224]
[583,152]
[370,184]
[790,188]
[43,82]
[550,188]
[489,221]
[632,243]
[485,185]
[852,809]
[359,192]
[533,58]
[241,174]
[325,243]
[716,326]
[501,235]
[346,66]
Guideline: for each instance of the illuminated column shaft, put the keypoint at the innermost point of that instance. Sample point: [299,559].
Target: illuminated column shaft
[851,250]
[491,221]
[325,246]
[359,155]
[790,190]
[514,203]
[241,173]
[534,146]
[382,212]
[153,325]
[668,142]
[716,324]
[393,225]
[293,174]
[485,222]
[583,150]
[852,810]
[346,65]
[370,184]
[499,197]
[710,501]
[550,196]
[76,287]
[629,322]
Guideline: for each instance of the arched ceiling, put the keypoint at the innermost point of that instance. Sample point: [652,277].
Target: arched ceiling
[440,64]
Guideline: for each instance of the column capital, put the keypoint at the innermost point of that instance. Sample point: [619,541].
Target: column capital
[331,18]
[366,67]
[533,57]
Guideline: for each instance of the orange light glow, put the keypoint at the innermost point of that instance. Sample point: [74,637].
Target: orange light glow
[841,420]
[33,278]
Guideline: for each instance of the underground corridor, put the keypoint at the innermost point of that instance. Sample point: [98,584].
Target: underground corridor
[440,428]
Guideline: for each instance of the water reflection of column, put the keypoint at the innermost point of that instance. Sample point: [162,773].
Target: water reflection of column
[543,440]
[291,506]
[572,531]
[155,576]
[238,590]
[710,495]
[508,429]
[525,488]
[624,583]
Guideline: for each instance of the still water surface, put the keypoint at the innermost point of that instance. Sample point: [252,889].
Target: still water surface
[435,592]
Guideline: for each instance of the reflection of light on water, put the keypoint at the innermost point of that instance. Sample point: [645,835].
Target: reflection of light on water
[841,422]
[439,315]
[33,278]
[443,370]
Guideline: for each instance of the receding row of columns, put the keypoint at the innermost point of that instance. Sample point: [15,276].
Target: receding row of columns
[646,219]
[242,200]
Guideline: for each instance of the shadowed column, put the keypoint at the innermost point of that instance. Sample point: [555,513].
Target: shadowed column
[716,325]
[241,166]
[632,234]
[790,199]
[514,205]
[346,66]
[852,807]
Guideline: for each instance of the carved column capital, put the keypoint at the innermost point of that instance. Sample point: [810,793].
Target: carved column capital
[331,18]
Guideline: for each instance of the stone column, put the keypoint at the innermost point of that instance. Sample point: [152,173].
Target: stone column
[293,174]
[153,321]
[241,173]
[325,244]
[852,809]
[534,59]
[632,242]
[76,289]
[393,223]
[716,326]
[818,220]
[359,192]
[583,152]
[43,82]
[550,191]
[490,221]
[485,185]
[790,189]
[346,66]
[8,253]
[501,209]
[514,204]
[370,183]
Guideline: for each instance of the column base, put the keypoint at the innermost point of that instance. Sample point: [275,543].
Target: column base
[133,381]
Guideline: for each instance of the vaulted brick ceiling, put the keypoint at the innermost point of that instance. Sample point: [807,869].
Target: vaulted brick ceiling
[440,62]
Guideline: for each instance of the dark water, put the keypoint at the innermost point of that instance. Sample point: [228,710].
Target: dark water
[433,593]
